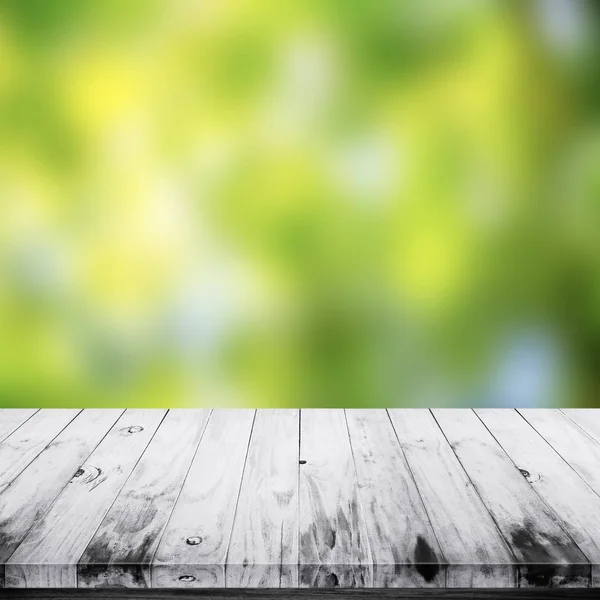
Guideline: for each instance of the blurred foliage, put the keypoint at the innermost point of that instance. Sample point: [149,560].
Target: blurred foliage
[316,203]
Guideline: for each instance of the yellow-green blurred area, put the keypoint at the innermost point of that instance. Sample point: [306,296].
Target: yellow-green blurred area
[299,203]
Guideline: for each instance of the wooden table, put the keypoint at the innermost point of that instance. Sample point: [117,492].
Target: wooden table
[225,500]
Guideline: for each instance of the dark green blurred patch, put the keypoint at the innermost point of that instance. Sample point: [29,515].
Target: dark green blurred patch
[40,22]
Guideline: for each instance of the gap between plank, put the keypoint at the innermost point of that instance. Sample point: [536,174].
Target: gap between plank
[237,501]
[35,412]
[298,466]
[557,452]
[587,433]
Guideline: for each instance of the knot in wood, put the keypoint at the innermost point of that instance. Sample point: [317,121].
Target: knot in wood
[302,462]
[187,578]
[133,429]
[87,473]
[194,540]
[531,476]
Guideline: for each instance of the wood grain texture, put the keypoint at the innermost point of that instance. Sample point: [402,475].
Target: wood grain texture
[20,448]
[403,545]
[334,546]
[552,478]
[477,554]
[587,418]
[121,551]
[570,440]
[194,545]
[263,551]
[49,554]
[27,498]
[547,555]
[12,418]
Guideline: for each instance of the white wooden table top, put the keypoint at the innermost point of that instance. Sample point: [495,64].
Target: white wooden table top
[290,498]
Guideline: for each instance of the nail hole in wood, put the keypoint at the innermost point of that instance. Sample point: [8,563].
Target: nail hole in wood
[524,472]
[78,473]
[187,578]
[302,462]
[194,540]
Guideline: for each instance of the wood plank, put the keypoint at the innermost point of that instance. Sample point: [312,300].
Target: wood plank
[403,545]
[121,551]
[49,554]
[570,440]
[547,555]
[263,551]
[28,497]
[554,480]
[12,418]
[477,554]
[20,448]
[194,545]
[334,547]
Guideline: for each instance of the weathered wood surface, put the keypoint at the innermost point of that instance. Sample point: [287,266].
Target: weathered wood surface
[263,550]
[302,499]
[546,554]
[24,444]
[28,498]
[12,419]
[464,528]
[123,546]
[193,548]
[49,554]
[398,526]
[567,494]
[334,545]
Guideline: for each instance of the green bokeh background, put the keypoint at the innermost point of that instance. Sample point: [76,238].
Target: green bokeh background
[299,203]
